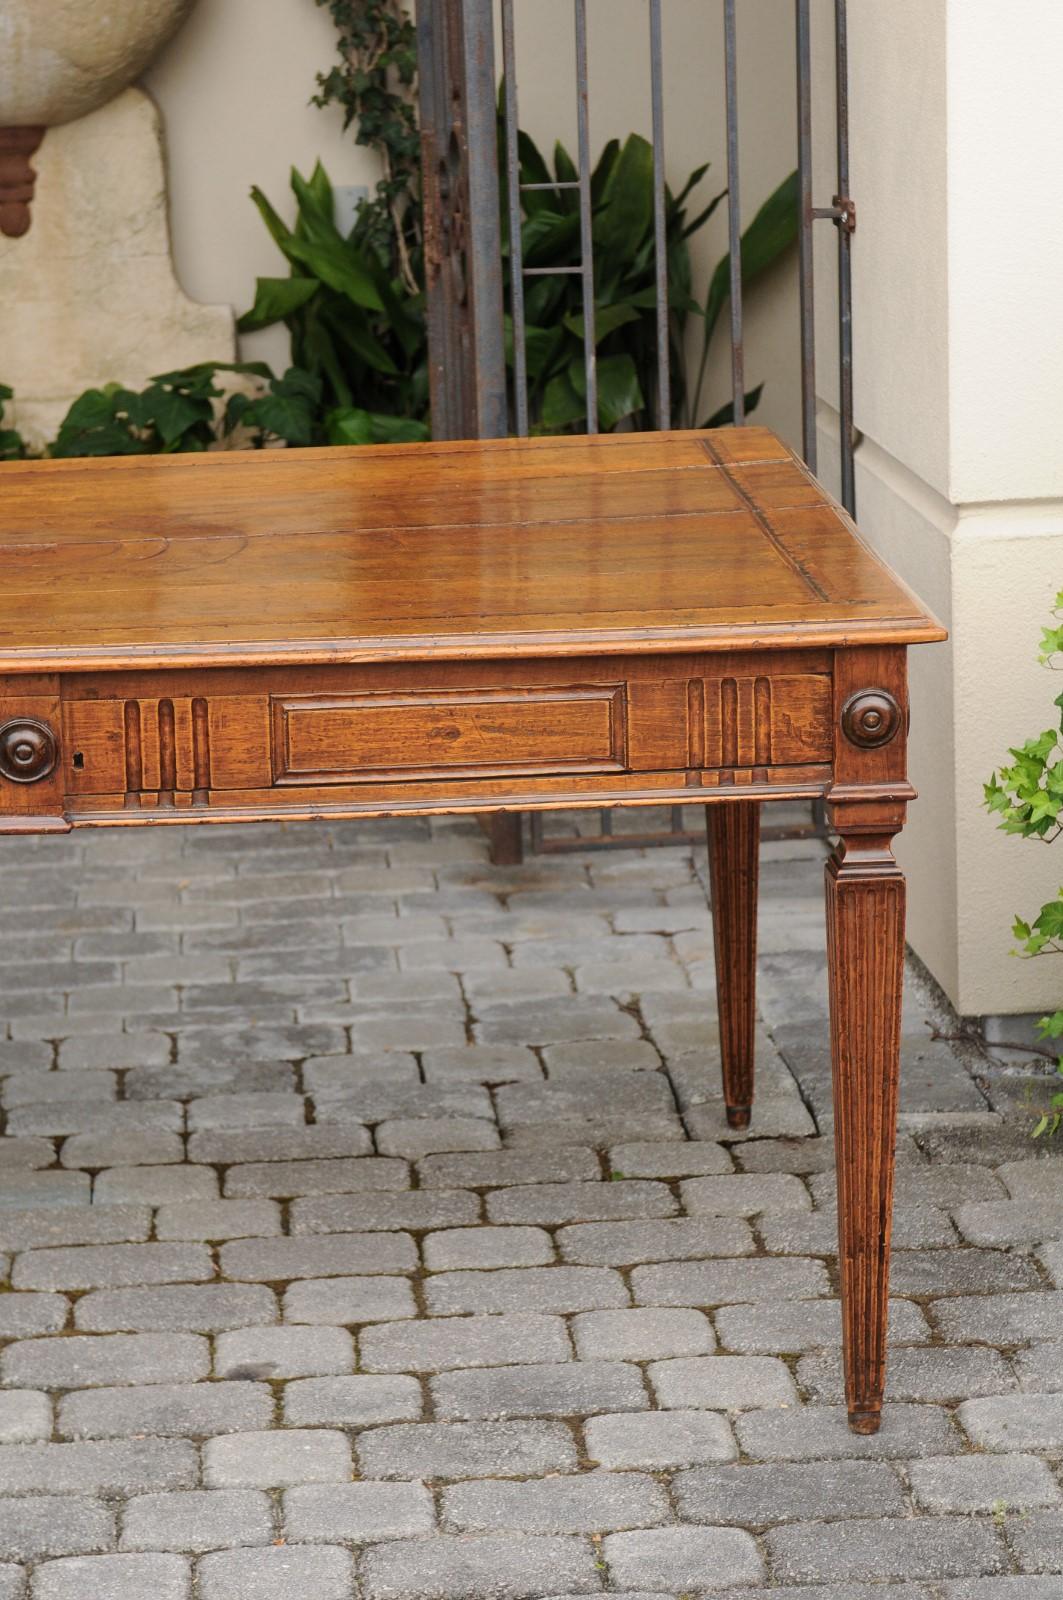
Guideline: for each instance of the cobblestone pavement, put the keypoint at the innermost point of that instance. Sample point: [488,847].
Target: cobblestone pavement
[372,1229]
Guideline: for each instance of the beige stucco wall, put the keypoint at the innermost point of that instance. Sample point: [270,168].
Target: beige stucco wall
[234,88]
[959,394]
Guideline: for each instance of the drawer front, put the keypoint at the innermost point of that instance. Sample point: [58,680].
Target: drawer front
[355,738]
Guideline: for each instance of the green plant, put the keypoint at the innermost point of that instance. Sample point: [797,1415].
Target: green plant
[176,413]
[356,330]
[12,445]
[625,292]
[1027,795]
[375,82]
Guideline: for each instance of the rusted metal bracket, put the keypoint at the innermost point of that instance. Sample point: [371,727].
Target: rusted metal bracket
[841,211]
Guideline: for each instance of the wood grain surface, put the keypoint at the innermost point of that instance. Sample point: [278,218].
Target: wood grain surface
[517,547]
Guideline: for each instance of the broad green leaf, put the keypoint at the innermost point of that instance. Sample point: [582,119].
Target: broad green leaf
[567,172]
[772,232]
[533,169]
[619,390]
[724,417]
[549,239]
[603,169]
[332,262]
[276,299]
[355,333]
[606,320]
[691,184]
[626,210]
[352,425]
[278,228]
[702,217]
[318,193]
[562,406]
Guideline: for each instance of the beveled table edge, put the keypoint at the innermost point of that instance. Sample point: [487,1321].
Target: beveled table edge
[921,628]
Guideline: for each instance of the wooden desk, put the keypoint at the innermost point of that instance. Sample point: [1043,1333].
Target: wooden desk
[627,620]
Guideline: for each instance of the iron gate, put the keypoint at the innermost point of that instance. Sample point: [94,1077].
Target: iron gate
[472,394]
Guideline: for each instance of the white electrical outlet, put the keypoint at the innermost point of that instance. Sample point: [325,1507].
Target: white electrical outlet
[348,198]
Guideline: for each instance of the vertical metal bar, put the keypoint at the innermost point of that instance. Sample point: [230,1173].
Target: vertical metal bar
[516,271]
[484,234]
[590,360]
[845,268]
[660,222]
[807,277]
[734,214]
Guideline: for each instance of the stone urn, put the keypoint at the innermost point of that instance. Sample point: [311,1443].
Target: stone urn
[60,59]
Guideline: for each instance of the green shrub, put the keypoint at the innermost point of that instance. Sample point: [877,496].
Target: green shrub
[1027,795]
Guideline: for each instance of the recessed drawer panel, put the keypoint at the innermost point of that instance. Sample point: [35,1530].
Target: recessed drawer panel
[345,738]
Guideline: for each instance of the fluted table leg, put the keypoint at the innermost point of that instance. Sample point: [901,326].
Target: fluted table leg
[865,943]
[734,848]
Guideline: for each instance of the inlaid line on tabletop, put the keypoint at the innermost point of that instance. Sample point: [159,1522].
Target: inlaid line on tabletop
[797,567]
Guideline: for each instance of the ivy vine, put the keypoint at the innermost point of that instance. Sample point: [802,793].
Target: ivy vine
[375,83]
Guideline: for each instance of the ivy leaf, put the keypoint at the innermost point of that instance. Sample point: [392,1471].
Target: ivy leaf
[175,414]
[1051,1027]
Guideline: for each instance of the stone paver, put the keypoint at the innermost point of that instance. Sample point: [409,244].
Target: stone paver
[683,1558]
[934,1547]
[484,1567]
[981,1483]
[125,1577]
[274,1460]
[277,1573]
[198,1520]
[467,1450]
[589,1503]
[352,1402]
[357,1513]
[169,1409]
[373,1229]
[463,1342]
[659,1439]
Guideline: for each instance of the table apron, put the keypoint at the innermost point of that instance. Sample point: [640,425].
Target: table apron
[417,737]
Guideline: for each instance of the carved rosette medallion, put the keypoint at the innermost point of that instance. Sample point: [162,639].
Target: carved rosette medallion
[870,718]
[28,750]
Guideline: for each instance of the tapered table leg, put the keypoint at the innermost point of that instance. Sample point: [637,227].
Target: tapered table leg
[734,847]
[507,839]
[865,945]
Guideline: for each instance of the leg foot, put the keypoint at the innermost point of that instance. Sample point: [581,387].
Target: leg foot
[734,849]
[865,1422]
